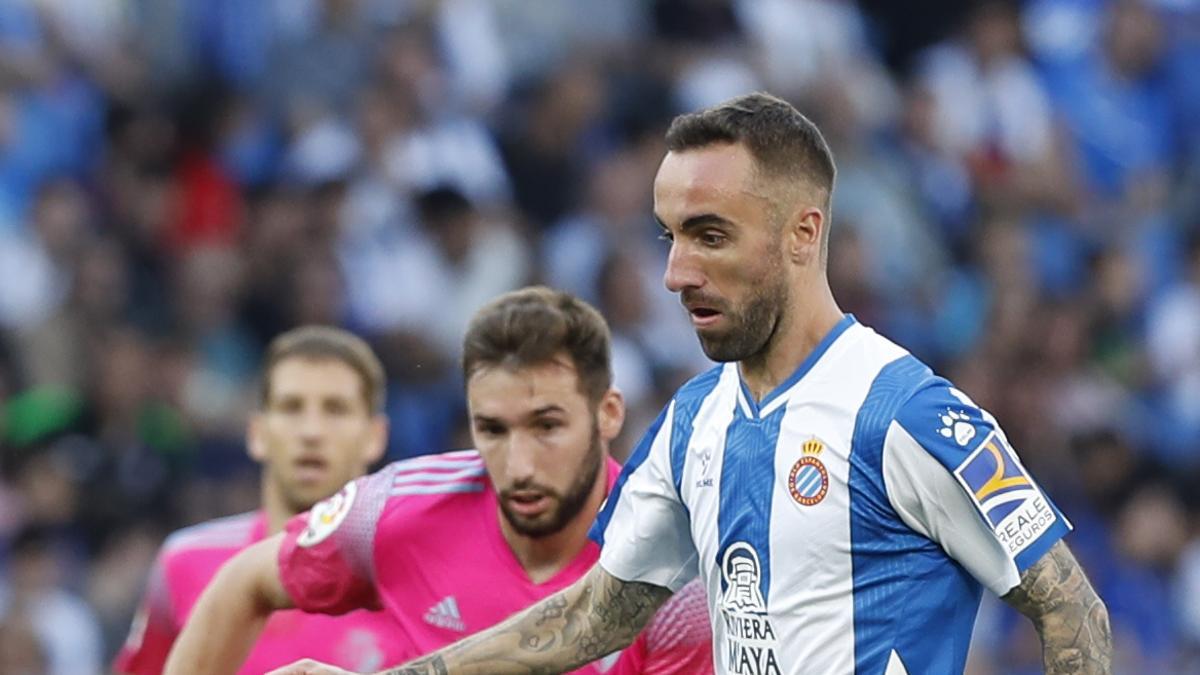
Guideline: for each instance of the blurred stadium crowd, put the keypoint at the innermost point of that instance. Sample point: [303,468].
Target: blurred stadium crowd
[1018,204]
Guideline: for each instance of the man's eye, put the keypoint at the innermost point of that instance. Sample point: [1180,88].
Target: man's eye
[289,406]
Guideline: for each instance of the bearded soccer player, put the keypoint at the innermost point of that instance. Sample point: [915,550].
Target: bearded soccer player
[844,506]
[318,426]
[454,543]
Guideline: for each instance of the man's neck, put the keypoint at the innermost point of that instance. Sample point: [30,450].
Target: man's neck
[275,508]
[544,557]
[808,321]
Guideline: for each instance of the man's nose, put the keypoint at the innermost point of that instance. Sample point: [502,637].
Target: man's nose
[682,271]
[311,426]
[522,457]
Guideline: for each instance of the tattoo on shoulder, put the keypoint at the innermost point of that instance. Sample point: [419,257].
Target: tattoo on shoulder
[1070,618]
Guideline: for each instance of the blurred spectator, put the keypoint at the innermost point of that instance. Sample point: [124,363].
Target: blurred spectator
[21,650]
[545,144]
[321,65]
[1116,105]
[37,261]
[1173,344]
[42,621]
[448,264]
[991,111]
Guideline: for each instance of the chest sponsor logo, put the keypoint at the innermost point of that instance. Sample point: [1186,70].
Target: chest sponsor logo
[445,614]
[808,482]
[326,516]
[1004,493]
[750,638]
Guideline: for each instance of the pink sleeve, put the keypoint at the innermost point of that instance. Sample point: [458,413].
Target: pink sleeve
[679,637]
[326,561]
[153,631]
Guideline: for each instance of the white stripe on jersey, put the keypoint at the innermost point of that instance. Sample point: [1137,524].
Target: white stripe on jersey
[441,488]
[438,477]
[228,532]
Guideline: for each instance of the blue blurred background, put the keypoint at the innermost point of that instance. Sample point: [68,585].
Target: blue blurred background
[1018,204]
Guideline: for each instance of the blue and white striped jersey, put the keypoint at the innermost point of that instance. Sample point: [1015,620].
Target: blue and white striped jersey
[847,523]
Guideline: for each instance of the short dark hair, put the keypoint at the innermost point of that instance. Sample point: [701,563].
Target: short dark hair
[531,326]
[327,342]
[781,139]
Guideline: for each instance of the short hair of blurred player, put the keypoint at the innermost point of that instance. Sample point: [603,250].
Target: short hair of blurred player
[320,420]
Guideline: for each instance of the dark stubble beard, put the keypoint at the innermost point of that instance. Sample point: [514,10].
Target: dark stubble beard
[568,505]
[751,327]
[295,498]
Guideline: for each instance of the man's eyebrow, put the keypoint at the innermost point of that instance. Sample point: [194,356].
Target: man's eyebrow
[702,220]
[696,222]
[546,409]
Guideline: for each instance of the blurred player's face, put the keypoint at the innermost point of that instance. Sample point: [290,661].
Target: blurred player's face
[542,440]
[726,259]
[316,431]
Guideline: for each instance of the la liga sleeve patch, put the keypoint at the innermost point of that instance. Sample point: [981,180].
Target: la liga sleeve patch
[325,517]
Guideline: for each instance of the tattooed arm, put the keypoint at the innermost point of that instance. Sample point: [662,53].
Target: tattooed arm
[1070,618]
[594,617]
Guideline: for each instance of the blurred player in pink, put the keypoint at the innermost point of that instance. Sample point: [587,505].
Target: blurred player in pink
[454,543]
[319,425]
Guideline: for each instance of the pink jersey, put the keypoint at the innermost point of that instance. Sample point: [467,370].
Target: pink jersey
[422,538]
[362,641]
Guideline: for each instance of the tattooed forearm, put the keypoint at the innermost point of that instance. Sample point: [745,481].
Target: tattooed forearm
[432,666]
[1070,618]
[429,666]
[594,617]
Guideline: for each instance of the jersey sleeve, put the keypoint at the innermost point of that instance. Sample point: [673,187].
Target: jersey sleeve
[679,637]
[326,560]
[153,631]
[643,527]
[952,476]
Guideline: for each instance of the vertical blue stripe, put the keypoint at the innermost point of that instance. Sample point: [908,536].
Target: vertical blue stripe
[909,596]
[687,404]
[747,488]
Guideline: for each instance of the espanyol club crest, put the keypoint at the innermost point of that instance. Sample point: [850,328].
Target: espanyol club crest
[809,481]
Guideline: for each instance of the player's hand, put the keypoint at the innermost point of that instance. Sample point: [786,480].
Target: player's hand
[309,667]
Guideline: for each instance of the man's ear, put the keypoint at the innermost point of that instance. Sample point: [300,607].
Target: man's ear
[610,414]
[256,447]
[803,233]
[377,441]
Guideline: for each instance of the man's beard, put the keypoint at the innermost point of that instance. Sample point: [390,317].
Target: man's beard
[568,505]
[299,500]
[751,328]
